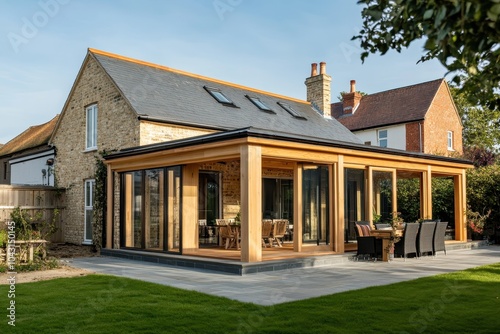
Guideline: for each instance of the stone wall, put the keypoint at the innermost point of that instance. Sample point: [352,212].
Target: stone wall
[118,127]
[155,132]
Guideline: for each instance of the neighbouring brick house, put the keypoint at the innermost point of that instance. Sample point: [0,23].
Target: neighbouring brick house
[28,158]
[186,148]
[418,118]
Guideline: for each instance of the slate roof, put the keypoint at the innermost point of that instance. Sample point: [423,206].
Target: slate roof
[35,136]
[163,94]
[395,106]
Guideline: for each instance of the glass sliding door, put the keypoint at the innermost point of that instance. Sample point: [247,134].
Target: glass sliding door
[209,205]
[315,199]
[151,209]
[209,196]
[132,209]
[154,208]
[354,201]
[174,203]
[382,196]
[277,199]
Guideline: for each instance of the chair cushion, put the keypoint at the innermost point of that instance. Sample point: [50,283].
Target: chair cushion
[365,229]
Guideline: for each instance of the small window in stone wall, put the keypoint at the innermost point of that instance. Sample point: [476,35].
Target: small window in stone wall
[450,140]
[91,124]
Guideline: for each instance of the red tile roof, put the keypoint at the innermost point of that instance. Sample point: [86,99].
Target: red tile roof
[34,136]
[395,106]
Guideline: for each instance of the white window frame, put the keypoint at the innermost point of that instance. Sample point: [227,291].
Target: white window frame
[91,127]
[450,140]
[381,139]
[89,207]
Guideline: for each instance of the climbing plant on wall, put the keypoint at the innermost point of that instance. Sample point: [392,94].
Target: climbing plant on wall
[99,201]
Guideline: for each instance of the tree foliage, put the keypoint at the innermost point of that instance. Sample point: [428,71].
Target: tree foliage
[480,124]
[483,192]
[480,156]
[463,35]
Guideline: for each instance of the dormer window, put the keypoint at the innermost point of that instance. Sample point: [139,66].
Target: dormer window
[291,111]
[219,96]
[259,104]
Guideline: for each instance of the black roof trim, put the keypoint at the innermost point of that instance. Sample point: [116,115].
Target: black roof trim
[260,133]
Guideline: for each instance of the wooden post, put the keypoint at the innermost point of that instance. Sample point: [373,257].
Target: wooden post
[110,208]
[297,207]
[338,219]
[459,185]
[427,194]
[394,193]
[251,203]
[190,207]
[369,202]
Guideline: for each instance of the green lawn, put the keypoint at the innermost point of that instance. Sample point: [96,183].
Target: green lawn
[462,302]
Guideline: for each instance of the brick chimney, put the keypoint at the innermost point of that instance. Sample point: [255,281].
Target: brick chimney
[318,89]
[351,100]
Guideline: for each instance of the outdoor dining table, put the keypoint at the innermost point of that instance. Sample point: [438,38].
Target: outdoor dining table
[386,235]
[236,227]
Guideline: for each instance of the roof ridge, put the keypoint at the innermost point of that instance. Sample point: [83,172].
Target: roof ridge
[409,86]
[193,75]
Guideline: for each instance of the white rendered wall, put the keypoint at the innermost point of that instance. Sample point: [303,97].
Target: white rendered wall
[28,170]
[396,136]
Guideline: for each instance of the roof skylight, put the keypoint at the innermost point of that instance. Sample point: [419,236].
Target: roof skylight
[219,96]
[261,105]
[291,111]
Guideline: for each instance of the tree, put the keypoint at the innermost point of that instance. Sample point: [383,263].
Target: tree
[481,124]
[463,35]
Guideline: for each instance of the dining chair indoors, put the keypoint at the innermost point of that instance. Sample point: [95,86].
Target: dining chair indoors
[279,230]
[267,231]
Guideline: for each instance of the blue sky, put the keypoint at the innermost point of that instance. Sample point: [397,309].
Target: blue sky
[265,44]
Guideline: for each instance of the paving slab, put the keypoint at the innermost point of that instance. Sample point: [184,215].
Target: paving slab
[270,288]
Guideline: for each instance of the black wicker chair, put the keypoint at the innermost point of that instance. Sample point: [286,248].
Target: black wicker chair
[408,243]
[368,246]
[425,238]
[438,240]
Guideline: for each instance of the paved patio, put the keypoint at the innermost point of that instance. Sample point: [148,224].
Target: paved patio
[276,287]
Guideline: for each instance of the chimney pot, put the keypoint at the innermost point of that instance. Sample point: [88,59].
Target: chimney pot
[314,69]
[353,86]
[322,68]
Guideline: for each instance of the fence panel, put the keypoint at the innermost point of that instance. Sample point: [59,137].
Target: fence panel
[34,199]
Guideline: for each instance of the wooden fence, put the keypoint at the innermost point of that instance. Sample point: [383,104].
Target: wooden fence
[34,199]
